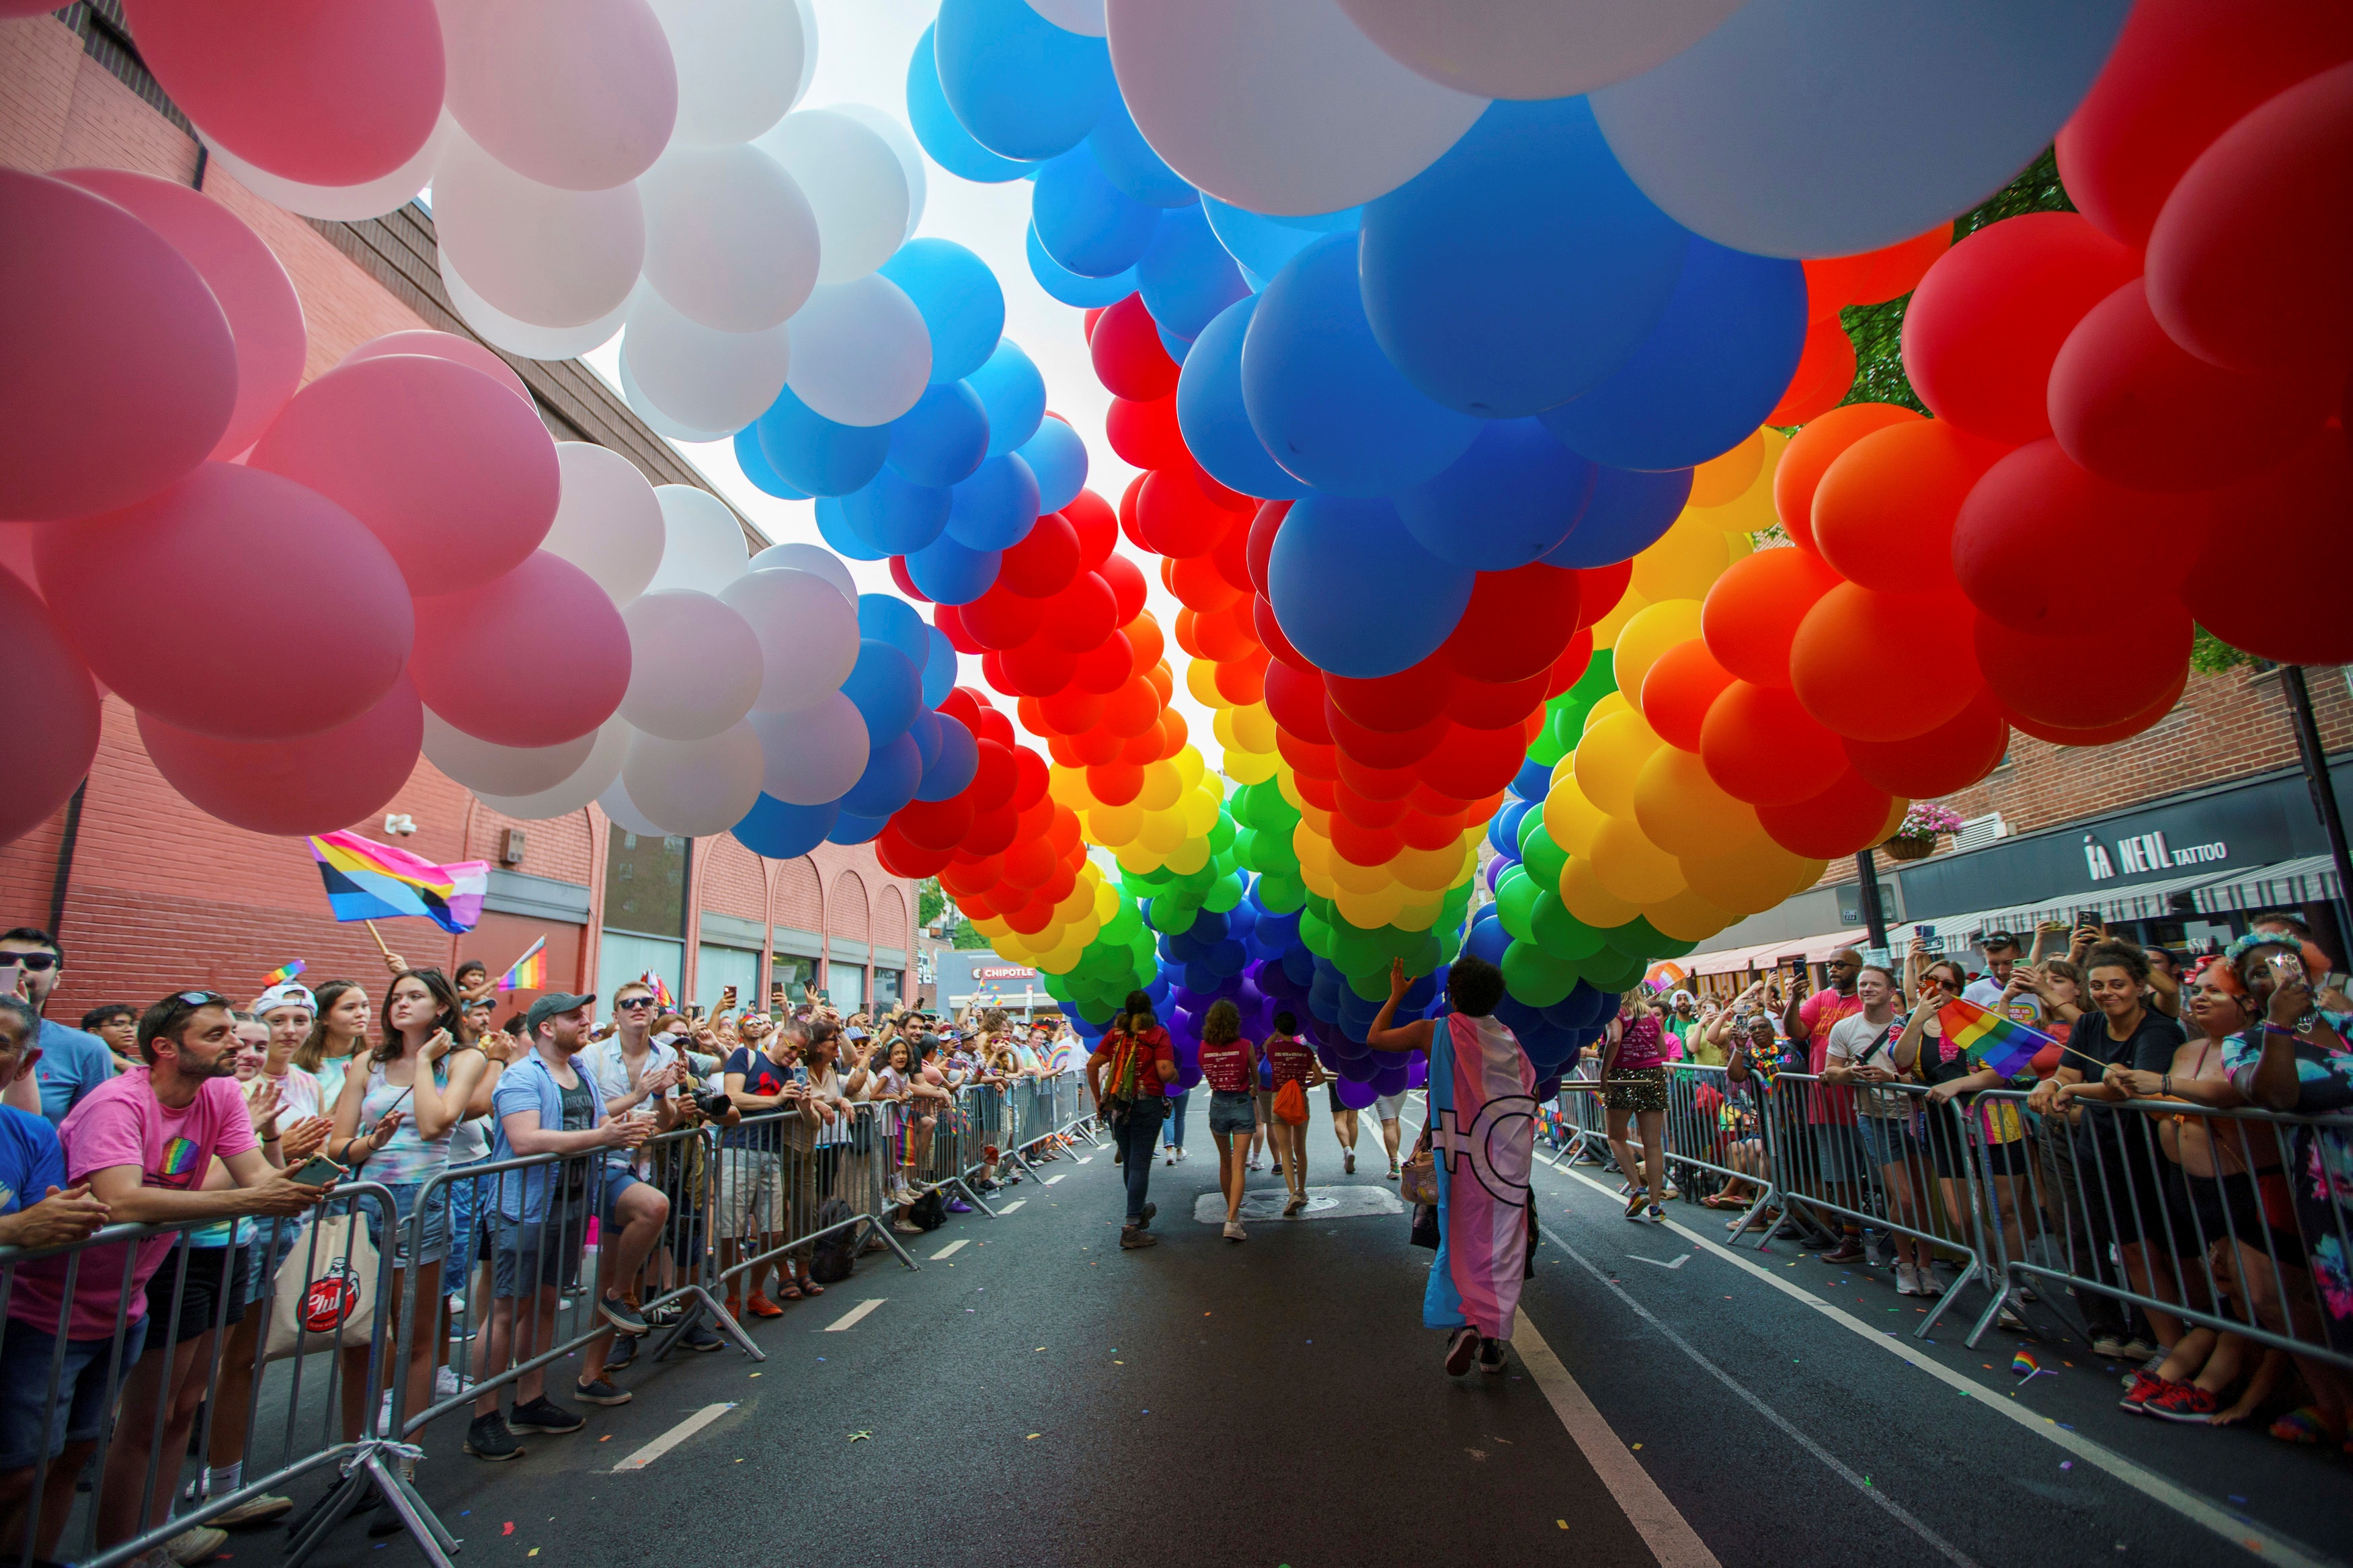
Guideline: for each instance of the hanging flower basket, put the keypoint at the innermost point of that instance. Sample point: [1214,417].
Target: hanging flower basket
[1910,847]
[1916,837]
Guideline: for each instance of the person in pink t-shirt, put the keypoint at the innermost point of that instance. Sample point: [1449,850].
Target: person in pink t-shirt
[1834,1169]
[1634,1073]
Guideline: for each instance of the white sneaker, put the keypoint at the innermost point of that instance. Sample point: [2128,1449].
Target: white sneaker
[1234,1231]
[193,1545]
[1169,1157]
[449,1384]
[1908,1283]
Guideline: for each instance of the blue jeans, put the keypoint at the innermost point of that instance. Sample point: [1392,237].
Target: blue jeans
[1173,1131]
[1132,1137]
[36,1418]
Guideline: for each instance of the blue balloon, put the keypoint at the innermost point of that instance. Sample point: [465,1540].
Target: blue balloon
[952,772]
[1503,832]
[1176,348]
[1210,411]
[1353,592]
[886,617]
[841,536]
[962,304]
[926,733]
[890,779]
[1057,462]
[894,515]
[942,438]
[848,828]
[1712,369]
[782,831]
[1533,782]
[1014,393]
[756,467]
[1185,276]
[1487,940]
[996,508]
[1626,515]
[885,689]
[1522,268]
[1061,283]
[1084,221]
[947,574]
[1514,496]
[815,456]
[1260,244]
[937,129]
[1323,397]
[939,667]
[1021,86]
[1131,163]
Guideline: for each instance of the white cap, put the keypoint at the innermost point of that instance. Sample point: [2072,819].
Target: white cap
[286,993]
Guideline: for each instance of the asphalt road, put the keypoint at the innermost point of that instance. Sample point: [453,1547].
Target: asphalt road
[1038,1398]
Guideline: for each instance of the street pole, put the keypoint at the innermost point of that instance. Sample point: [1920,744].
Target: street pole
[2324,792]
[1874,916]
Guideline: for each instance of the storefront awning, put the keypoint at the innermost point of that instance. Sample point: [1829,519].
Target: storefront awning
[2310,880]
[1764,955]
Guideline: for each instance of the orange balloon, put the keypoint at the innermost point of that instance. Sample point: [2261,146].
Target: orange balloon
[1825,374]
[1676,693]
[1952,756]
[1762,747]
[1852,635]
[2087,681]
[1753,610]
[1811,452]
[1848,815]
[1727,477]
[2106,734]
[1883,511]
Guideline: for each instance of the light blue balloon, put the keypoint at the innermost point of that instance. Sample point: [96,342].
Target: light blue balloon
[947,574]
[1210,411]
[1021,86]
[891,774]
[1057,460]
[1520,269]
[885,689]
[942,438]
[781,831]
[1131,162]
[1014,393]
[1627,513]
[962,304]
[895,515]
[1261,244]
[1176,348]
[1084,221]
[1061,283]
[815,456]
[1712,369]
[939,667]
[1514,496]
[952,772]
[1185,275]
[833,526]
[849,829]
[996,508]
[1325,400]
[935,126]
[1356,594]
[926,732]
[886,617]
[758,468]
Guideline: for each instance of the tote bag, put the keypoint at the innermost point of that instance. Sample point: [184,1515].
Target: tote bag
[335,1304]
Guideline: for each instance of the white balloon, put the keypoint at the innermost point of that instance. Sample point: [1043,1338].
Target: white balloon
[703,379]
[663,425]
[618,805]
[694,665]
[730,241]
[704,548]
[577,93]
[807,634]
[694,788]
[499,330]
[812,558]
[862,354]
[1534,48]
[855,184]
[815,755]
[1772,133]
[911,155]
[587,782]
[1082,17]
[1283,109]
[548,257]
[739,67]
[610,522]
[807,8]
[501,770]
[342,204]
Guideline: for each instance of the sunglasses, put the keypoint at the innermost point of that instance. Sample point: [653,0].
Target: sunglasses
[634,1003]
[202,998]
[37,963]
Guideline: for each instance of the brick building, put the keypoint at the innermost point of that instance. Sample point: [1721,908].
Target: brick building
[147,893]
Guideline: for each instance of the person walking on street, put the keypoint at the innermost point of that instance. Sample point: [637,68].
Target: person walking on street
[1129,1075]
[1634,1069]
[1293,1061]
[1228,1063]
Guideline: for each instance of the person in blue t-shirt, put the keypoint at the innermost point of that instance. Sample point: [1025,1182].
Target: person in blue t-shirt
[36,1208]
[71,1063]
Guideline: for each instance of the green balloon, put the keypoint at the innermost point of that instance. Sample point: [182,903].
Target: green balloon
[1221,833]
[1624,976]
[1561,933]
[1373,986]
[1600,679]
[1545,859]
[1675,950]
[1224,894]
[1281,893]
[1546,748]
[1516,906]
[1638,938]
[1534,976]
[1450,945]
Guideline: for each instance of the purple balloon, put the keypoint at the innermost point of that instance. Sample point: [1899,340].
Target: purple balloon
[1354,1094]
[1390,1079]
[1189,1072]
[1495,869]
[1417,1071]
[1358,1069]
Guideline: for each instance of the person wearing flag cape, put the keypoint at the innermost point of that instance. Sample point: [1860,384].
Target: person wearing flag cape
[1482,1126]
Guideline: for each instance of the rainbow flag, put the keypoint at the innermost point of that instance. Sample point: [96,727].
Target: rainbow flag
[662,993]
[366,880]
[1665,975]
[281,974]
[2002,1043]
[528,973]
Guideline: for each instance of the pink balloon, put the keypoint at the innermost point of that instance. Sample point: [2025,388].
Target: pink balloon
[16,553]
[236,604]
[456,477]
[264,315]
[324,92]
[532,658]
[121,370]
[578,94]
[48,703]
[449,346]
[331,780]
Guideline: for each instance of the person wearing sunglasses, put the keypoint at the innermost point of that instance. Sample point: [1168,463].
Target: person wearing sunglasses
[72,1062]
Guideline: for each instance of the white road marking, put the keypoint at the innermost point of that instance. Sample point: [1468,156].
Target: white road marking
[951,1249]
[1008,1208]
[1663,1529]
[1354,1201]
[1056,1177]
[849,1318]
[2239,1532]
[1085,1159]
[1654,1263]
[674,1437]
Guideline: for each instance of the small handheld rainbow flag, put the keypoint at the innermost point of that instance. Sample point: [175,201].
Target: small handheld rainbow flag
[2026,1366]
[1665,975]
[661,992]
[281,974]
[1986,1036]
[366,880]
[528,973]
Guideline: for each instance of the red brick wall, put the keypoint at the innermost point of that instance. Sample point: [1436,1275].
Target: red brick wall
[845,910]
[728,880]
[799,897]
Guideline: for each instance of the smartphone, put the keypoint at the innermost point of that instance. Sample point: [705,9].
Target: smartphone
[800,1074]
[8,974]
[2089,918]
[726,997]
[317,1171]
[2285,967]
[1927,934]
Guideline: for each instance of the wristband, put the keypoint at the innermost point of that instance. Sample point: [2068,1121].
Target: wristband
[2271,1028]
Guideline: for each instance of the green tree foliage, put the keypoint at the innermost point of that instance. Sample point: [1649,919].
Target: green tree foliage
[931,900]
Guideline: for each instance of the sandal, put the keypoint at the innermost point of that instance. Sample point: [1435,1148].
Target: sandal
[789,1291]
[1719,1201]
[2304,1426]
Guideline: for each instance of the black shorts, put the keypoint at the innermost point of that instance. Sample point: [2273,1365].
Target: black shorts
[2130,1194]
[2257,1211]
[219,1281]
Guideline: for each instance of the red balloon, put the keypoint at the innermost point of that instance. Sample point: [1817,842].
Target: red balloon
[1230,554]
[1242,681]
[2084,681]
[318,656]
[1173,517]
[1097,526]
[1599,588]
[1847,643]
[2037,533]
[1753,610]
[903,857]
[1883,511]
[1044,560]
[1081,616]
[906,584]
[1030,778]
[1034,669]
[1144,435]
[266,787]
[934,824]
[123,370]
[1380,749]
[1468,763]
[48,699]
[1952,756]
[1001,618]
[1131,711]
[1872,277]
[2139,410]
[1759,745]
[1296,699]
[1988,320]
[1825,374]
[2106,734]
[1849,815]
[2247,264]
[1516,624]
[994,726]
[1196,581]
[532,658]
[1271,637]
[2268,580]
[1379,783]
[1421,830]
[1681,685]
[448,346]
[1306,758]
[1264,525]
[1570,667]
[2182,72]
[1365,846]
[1406,701]
[1128,357]
[1485,706]
[1810,453]
[949,618]
[1115,783]
[1367,810]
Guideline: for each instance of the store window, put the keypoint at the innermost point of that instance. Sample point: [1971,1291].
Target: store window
[644,911]
[845,985]
[888,986]
[716,968]
[794,972]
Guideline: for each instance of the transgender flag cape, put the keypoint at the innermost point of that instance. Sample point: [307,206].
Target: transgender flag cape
[1483,1103]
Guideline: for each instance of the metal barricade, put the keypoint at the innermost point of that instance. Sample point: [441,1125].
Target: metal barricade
[778,1175]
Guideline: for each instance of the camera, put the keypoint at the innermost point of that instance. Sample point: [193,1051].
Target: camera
[710,1103]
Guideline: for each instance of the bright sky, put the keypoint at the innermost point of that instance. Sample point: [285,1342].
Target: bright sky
[862,51]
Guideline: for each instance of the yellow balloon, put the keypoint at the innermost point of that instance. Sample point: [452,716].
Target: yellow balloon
[1631,865]
[1686,916]
[1739,545]
[1256,727]
[1589,900]
[1249,767]
[1189,856]
[1199,810]
[1751,510]
[1683,811]
[1605,630]
[1347,874]
[1684,562]
[1289,786]
[1418,917]
[1750,876]
[1570,820]
[1609,702]
[1609,758]
[1428,870]
[1201,681]
[1069,787]
[1189,766]
[1369,909]
[1112,825]
[1721,479]
[991,927]
[1663,625]
[1161,787]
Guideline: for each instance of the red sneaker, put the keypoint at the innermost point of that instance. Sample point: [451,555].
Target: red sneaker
[2145,1386]
[2182,1402]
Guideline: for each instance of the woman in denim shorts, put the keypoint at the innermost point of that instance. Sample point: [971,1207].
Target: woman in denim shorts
[1228,1062]
[1635,1065]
